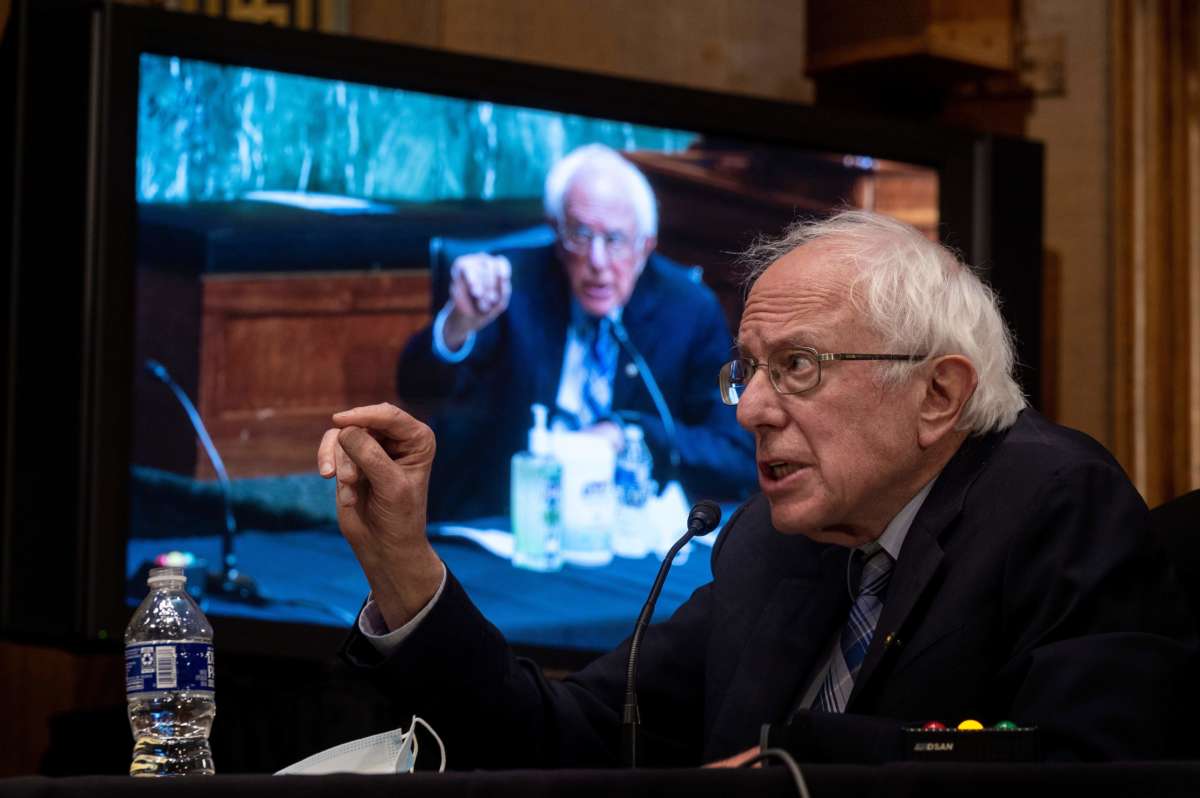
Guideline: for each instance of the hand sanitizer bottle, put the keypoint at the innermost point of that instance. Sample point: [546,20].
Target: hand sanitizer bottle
[536,491]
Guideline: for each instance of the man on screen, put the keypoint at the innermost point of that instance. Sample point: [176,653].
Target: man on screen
[925,548]
[543,325]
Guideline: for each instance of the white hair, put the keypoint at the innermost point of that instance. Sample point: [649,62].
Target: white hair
[604,159]
[921,298]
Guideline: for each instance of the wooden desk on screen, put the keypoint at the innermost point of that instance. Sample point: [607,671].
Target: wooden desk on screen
[280,352]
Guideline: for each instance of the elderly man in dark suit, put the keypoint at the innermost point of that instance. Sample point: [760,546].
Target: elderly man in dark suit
[925,547]
[543,325]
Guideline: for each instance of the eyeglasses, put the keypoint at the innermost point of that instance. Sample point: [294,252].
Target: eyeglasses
[791,370]
[578,238]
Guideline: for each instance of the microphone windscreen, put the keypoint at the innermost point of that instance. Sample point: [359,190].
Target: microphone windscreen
[704,517]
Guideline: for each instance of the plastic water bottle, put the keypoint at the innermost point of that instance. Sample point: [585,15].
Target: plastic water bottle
[169,680]
[632,536]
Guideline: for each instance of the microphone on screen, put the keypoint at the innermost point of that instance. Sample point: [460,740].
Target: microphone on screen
[704,518]
[230,582]
[656,394]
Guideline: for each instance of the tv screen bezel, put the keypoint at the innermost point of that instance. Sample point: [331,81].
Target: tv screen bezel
[121,34]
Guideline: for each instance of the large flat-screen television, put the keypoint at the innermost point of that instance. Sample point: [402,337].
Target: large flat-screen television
[222,233]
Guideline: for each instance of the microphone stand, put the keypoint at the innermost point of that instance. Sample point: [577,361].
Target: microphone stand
[229,582]
[704,518]
[656,394]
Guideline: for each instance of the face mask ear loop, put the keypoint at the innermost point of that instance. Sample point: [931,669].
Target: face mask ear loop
[441,746]
[413,743]
[410,742]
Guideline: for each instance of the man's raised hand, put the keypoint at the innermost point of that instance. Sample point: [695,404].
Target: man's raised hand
[381,457]
[480,287]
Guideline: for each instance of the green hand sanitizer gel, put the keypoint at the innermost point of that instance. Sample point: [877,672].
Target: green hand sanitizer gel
[536,492]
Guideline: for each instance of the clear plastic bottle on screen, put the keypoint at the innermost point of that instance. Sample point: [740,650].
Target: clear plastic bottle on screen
[634,532]
[536,489]
[169,680]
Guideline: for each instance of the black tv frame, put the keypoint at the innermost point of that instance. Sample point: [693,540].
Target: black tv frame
[66,432]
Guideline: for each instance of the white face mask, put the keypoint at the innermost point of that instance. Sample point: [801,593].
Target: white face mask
[393,751]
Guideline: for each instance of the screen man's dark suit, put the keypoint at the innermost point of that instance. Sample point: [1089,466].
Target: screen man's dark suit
[1026,590]
[479,408]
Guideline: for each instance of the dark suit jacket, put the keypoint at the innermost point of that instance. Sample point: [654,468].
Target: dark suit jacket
[480,407]
[1026,590]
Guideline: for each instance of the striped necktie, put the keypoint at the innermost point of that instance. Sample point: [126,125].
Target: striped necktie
[600,365]
[856,635]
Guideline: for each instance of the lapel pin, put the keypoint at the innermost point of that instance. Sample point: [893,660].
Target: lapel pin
[891,641]
[630,370]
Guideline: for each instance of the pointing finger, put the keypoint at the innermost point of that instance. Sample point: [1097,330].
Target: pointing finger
[487,279]
[495,276]
[474,279]
[505,287]
[346,493]
[347,470]
[367,455]
[325,453]
[390,421]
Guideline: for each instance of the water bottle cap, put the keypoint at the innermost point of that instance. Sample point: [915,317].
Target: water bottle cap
[160,575]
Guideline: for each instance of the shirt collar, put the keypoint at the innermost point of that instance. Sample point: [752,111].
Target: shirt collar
[896,531]
[580,320]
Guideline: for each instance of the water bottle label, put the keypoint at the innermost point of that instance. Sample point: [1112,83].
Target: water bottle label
[625,478]
[150,667]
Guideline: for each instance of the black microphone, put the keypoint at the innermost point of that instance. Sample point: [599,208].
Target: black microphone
[229,583]
[704,518]
[656,394]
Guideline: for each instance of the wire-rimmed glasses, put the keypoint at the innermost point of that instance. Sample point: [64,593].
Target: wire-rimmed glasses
[791,371]
[579,238]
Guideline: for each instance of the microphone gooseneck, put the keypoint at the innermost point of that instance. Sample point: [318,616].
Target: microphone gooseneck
[704,518]
[656,395]
[228,558]
[229,582]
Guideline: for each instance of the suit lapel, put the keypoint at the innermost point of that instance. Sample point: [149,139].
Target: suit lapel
[626,381]
[793,630]
[542,332]
[919,560]
[921,556]
[641,306]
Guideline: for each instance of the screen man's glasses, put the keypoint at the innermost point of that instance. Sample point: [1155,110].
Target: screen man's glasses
[578,238]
